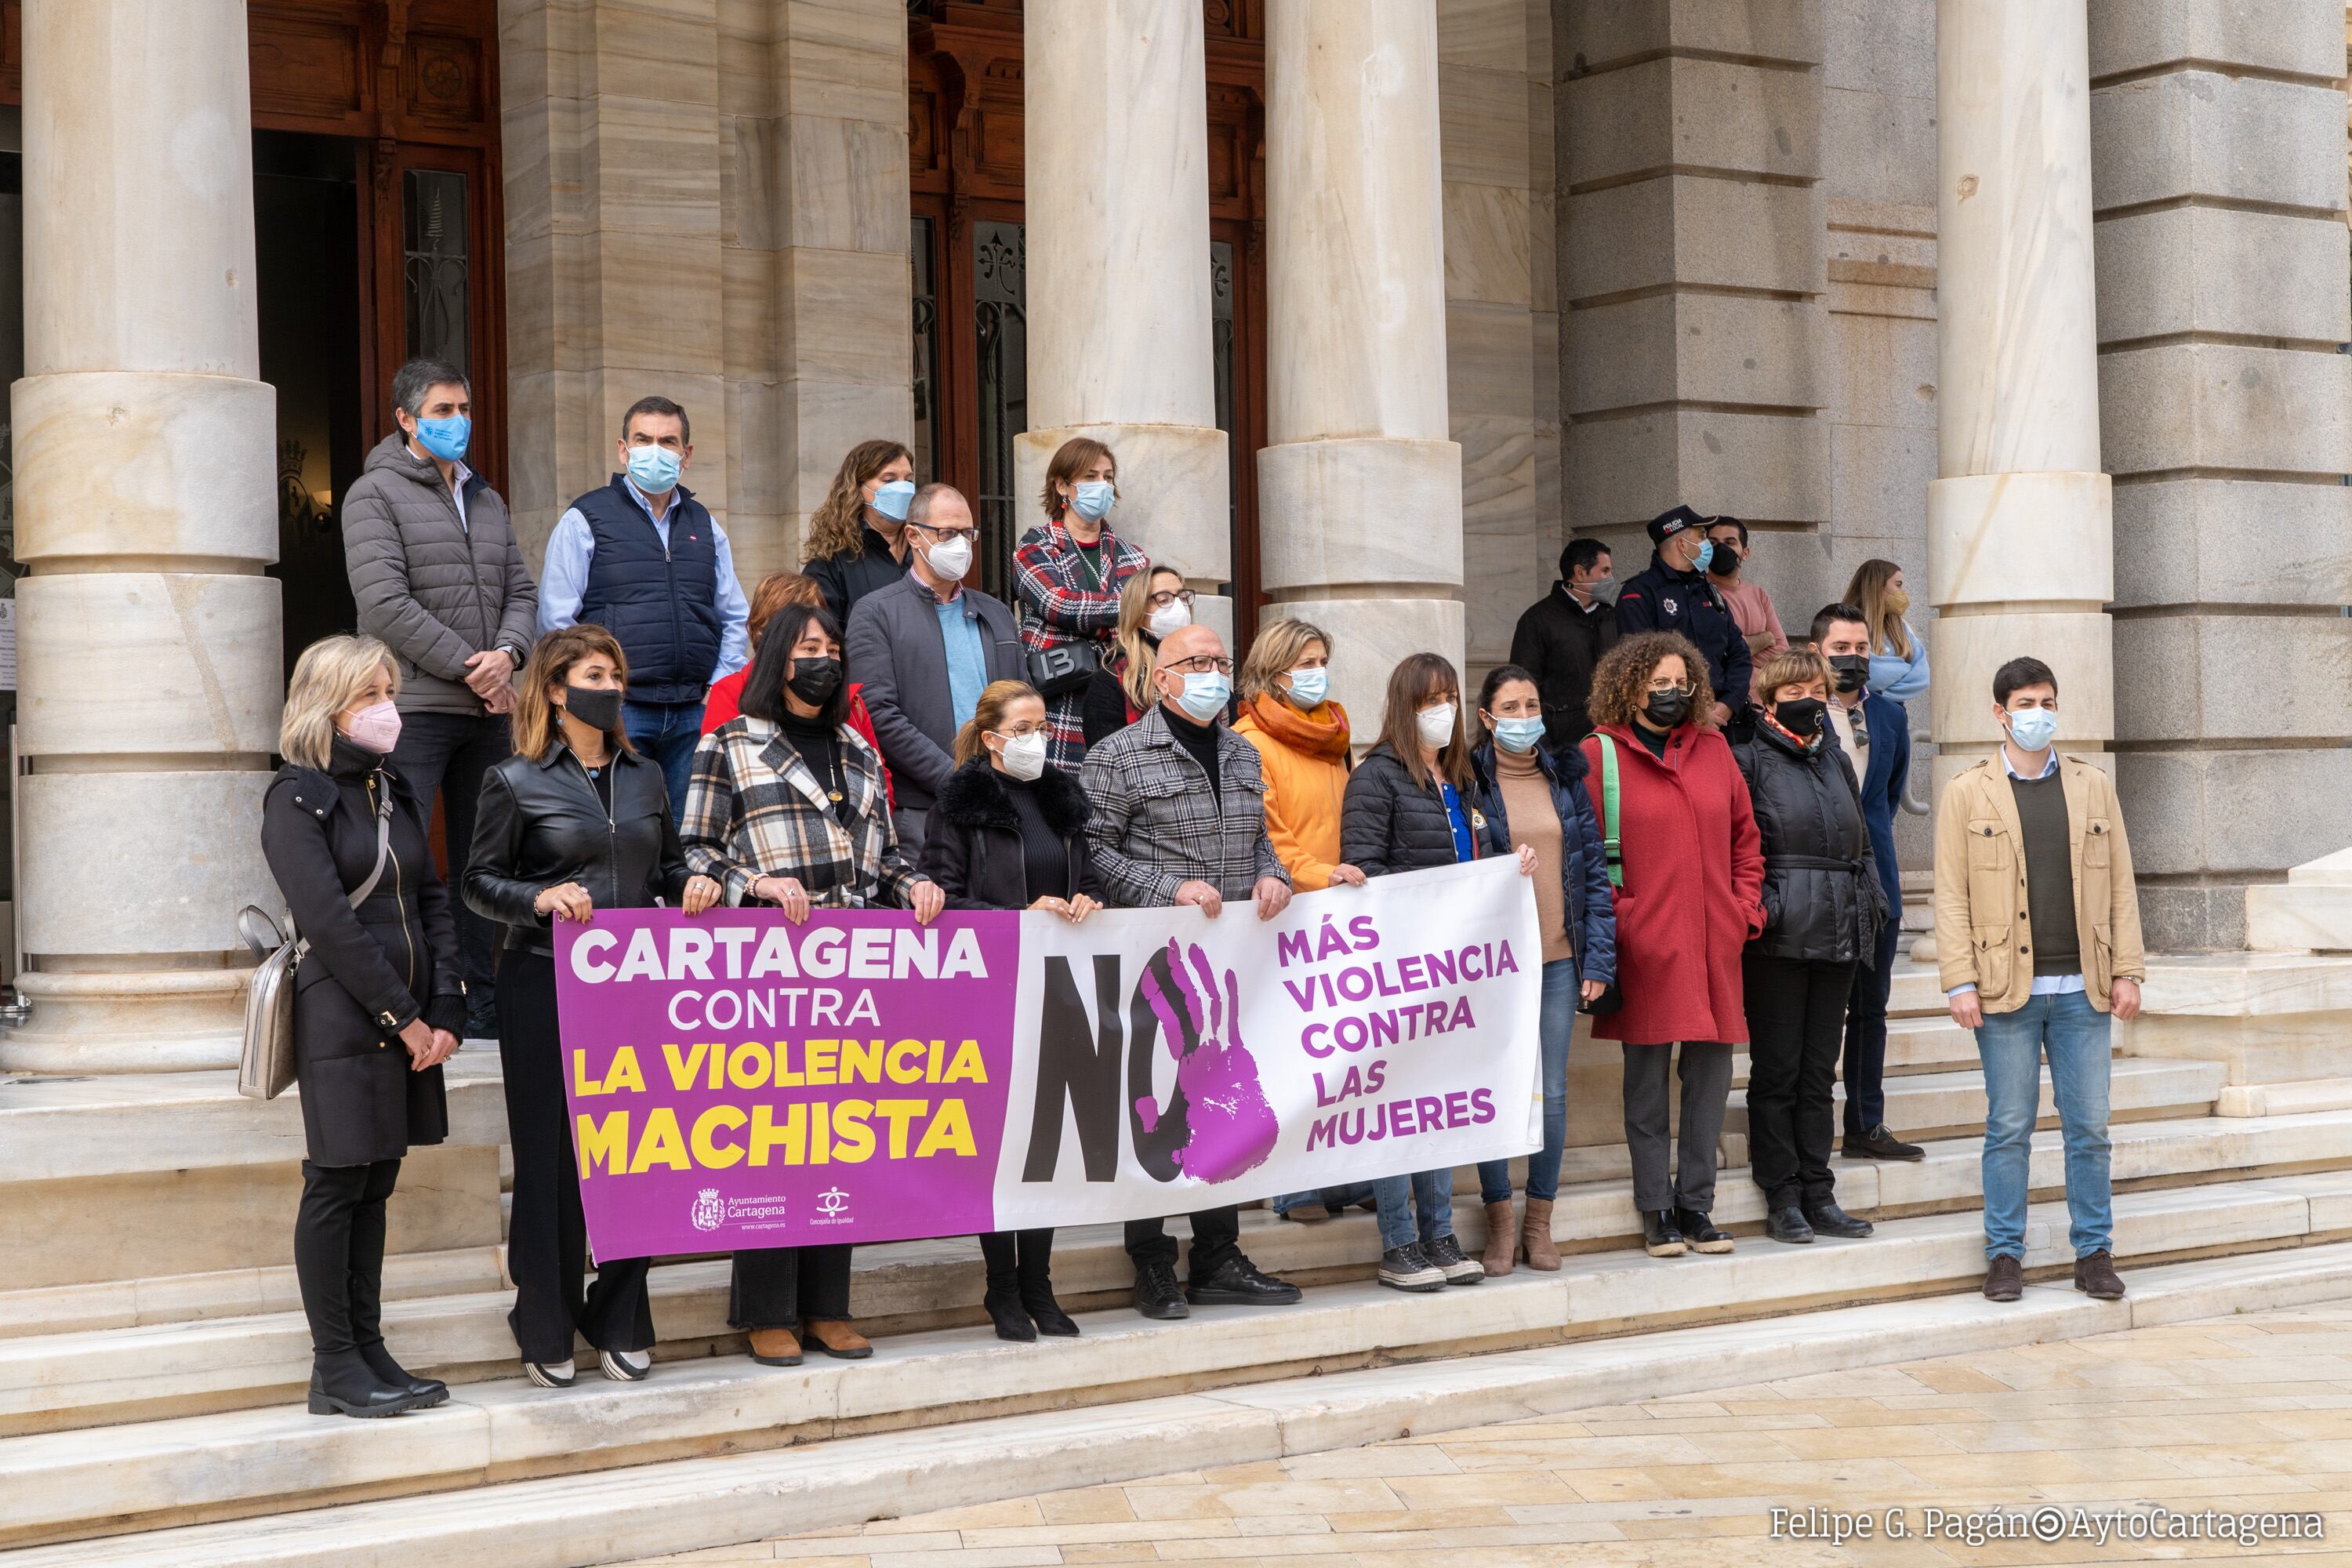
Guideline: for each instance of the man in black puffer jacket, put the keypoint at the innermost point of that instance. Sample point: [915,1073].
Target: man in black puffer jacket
[1823,908]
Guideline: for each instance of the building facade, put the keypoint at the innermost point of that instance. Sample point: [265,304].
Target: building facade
[1379,302]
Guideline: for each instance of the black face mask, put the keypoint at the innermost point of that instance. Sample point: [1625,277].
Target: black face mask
[1802,715]
[814,680]
[1724,563]
[593,706]
[1852,670]
[1667,708]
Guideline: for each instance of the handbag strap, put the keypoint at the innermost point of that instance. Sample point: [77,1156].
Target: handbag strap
[359,895]
[1609,851]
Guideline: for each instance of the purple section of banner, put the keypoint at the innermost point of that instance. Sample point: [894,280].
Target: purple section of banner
[736,1081]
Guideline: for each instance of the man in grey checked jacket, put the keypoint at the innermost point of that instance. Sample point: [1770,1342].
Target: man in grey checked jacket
[1179,818]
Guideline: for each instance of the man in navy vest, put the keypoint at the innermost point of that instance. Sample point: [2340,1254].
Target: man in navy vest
[643,559]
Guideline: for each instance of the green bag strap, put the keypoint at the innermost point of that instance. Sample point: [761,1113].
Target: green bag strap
[1609,849]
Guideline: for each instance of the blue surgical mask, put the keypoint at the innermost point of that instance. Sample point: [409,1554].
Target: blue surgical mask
[1205,695]
[2034,728]
[1518,736]
[654,469]
[893,498]
[1706,554]
[1308,687]
[446,438]
[1091,499]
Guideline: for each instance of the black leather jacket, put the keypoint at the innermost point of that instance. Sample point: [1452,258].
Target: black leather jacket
[541,822]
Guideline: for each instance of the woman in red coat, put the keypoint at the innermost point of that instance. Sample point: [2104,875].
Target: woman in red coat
[1690,895]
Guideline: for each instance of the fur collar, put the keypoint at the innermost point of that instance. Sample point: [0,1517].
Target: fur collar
[975,797]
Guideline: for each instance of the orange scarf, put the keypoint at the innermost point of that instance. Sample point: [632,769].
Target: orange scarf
[1321,733]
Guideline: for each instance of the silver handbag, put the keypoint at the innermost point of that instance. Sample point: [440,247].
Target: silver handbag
[266,1065]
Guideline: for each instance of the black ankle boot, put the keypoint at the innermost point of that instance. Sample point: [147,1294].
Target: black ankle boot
[1037,1286]
[343,1383]
[429,1391]
[1002,1300]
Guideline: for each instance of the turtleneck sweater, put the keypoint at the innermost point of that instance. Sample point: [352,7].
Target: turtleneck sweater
[1535,821]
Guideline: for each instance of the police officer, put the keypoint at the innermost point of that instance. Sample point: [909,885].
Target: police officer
[1675,595]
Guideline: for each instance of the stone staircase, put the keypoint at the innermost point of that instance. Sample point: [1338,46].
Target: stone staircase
[163,1412]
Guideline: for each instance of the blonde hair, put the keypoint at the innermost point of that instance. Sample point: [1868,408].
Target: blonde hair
[1135,645]
[552,659]
[987,714]
[1071,458]
[1867,593]
[329,676]
[837,527]
[1791,667]
[1279,645]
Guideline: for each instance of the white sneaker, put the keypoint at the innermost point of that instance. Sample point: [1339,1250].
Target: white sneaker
[626,1366]
[550,1374]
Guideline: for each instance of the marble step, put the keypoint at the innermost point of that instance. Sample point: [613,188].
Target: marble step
[1932,1103]
[81,1483]
[76,1379]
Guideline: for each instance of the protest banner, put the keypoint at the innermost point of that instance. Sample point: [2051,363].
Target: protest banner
[738,1082]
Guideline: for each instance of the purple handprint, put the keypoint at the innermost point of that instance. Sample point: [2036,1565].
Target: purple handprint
[1232,1127]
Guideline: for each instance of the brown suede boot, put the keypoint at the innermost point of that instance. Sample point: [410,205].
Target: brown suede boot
[1502,1239]
[775,1347]
[1535,1236]
[838,1339]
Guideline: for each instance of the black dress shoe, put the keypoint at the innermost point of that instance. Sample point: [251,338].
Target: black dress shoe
[1238,1283]
[1830,1220]
[1156,1291]
[344,1384]
[1011,1317]
[1879,1144]
[1787,1225]
[429,1391]
[1700,1231]
[1659,1236]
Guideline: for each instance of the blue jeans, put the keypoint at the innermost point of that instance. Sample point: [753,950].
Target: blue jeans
[1332,1198]
[1555,1028]
[666,733]
[1426,1197]
[2074,1035]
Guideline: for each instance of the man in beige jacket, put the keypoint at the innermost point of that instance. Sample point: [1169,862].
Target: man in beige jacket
[2037,926]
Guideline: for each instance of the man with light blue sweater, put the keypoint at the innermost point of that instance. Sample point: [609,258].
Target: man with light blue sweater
[925,648]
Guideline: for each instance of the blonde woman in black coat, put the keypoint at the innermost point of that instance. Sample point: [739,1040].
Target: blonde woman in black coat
[378,1002]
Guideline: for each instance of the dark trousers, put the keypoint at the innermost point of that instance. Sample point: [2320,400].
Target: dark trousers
[1216,1239]
[667,733]
[454,751]
[547,1238]
[1659,1182]
[1865,1035]
[783,1287]
[1018,1259]
[1796,1012]
[339,1253]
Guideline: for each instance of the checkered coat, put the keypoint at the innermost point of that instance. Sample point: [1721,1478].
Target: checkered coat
[754,808]
[1057,609]
[1156,824]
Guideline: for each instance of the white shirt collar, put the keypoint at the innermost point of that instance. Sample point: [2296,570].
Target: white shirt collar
[2010,770]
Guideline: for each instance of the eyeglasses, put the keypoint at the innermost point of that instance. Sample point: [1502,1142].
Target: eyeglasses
[1200,664]
[1659,687]
[1165,598]
[943,535]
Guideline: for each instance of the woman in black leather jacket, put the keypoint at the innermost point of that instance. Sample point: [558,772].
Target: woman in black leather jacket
[378,1001]
[575,821]
[1822,906]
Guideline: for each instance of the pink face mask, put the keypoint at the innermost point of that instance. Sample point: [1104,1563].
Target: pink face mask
[375,727]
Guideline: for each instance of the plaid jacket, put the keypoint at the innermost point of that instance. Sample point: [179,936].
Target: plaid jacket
[1057,608]
[1156,824]
[754,808]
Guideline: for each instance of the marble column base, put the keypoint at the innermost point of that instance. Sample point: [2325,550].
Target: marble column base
[1175,494]
[1368,636]
[2015,539]
[164,1020]
[1359,512]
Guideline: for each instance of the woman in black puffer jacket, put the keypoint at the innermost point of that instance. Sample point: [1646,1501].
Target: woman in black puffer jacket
[1823,908]
[1409,805]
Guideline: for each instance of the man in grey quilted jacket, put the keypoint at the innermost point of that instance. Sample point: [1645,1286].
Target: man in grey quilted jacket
[439,579]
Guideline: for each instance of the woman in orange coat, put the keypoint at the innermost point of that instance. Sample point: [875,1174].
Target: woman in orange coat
[1691,894]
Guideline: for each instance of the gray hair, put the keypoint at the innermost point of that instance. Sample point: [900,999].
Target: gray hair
[329,676]
[411,381]
[919,510]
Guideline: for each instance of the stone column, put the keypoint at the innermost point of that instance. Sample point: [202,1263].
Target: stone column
[1116,123]
[150,658]
[2019,552]
[1360,490]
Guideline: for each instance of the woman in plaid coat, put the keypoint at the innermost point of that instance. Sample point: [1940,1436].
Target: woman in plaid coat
[1067,576]
[786,807]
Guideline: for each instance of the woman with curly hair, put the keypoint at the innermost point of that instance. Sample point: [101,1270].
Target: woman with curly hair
[1689,868]
[856,536]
